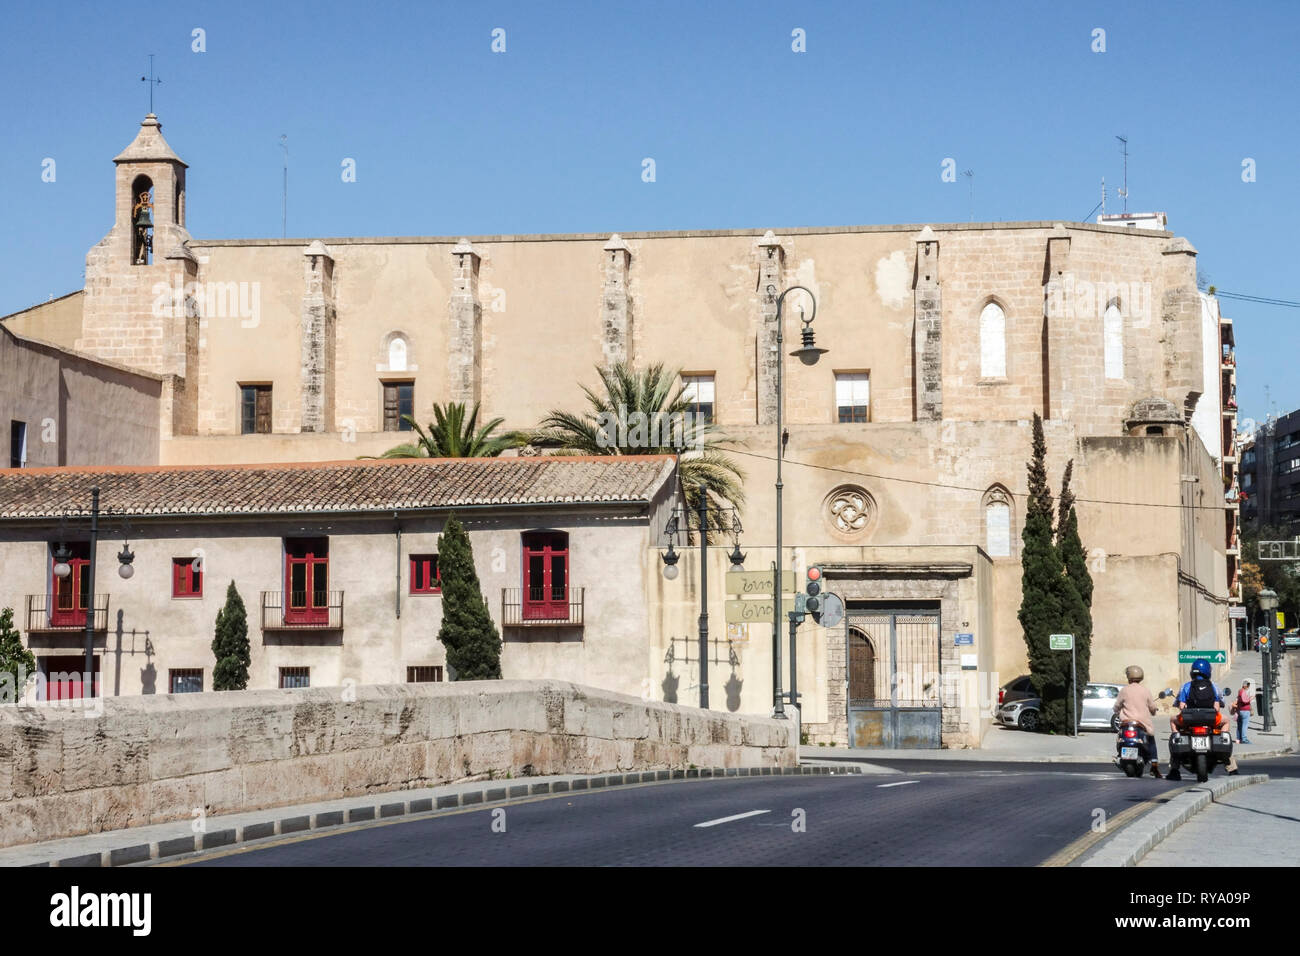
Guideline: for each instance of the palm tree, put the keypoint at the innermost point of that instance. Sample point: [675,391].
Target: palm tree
[644,413]
[451,436]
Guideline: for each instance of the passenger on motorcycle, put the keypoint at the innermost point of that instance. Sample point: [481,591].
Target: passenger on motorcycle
[1198,692]
[1135,703]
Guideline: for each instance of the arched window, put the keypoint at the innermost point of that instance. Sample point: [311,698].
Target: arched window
[397,354]
[997,522]
[993,342]
[1113,332]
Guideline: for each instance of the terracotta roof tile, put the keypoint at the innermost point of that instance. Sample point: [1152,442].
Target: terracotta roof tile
[345,486]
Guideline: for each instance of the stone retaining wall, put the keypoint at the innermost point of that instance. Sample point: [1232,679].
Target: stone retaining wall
[131,761]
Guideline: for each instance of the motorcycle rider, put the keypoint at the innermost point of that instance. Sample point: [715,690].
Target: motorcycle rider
[1198,692]
[1135,703]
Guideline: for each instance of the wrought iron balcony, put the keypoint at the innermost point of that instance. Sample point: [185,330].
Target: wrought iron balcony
[541,607]
[306,611]
[47,615]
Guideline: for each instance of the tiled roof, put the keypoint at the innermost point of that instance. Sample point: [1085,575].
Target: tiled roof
[344,486]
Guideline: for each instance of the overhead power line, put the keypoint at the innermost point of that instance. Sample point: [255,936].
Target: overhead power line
[1262,300]
[953,487]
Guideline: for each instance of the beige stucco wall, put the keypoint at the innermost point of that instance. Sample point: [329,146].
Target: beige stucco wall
[150,632]
[78,411]
[57,321]
[65,771]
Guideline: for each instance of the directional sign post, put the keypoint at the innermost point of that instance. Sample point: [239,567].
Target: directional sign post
[758,583]
[1065,642]
[1214,657]
[761,611]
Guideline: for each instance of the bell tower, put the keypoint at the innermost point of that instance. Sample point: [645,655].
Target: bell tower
[139,308]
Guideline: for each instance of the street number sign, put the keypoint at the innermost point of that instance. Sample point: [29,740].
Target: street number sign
[758,582]
[1061,642]
[1214,657]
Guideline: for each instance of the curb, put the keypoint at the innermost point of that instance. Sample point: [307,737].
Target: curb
[1140,837]
[491,792]
[986,756]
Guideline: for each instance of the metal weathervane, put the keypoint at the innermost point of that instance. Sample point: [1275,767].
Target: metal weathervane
[152,81]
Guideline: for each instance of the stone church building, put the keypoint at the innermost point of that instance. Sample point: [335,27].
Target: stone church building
[904,472]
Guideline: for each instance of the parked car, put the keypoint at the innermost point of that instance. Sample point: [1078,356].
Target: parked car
[1023,712]
[1099,707]
[1018,689]
[1291,638]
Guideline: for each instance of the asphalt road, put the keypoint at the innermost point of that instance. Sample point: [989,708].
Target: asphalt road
[958,817]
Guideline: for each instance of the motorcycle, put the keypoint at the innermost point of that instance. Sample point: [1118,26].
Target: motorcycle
[1201,742]
[1131,754]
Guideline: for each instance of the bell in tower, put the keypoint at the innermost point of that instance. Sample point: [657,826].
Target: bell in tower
[142,219]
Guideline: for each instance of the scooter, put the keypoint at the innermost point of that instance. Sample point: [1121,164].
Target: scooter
[1201,741]
[1131,754]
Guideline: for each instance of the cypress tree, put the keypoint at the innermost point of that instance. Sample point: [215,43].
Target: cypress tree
[230,645]
[1041,587]
[1077,603]
[467,632]
[16,661]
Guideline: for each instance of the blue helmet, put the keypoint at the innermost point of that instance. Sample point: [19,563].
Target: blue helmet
[1201,668]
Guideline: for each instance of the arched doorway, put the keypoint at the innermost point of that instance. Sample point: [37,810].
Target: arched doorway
[862,668]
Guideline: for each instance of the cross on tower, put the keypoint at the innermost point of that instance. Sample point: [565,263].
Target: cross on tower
[151,81]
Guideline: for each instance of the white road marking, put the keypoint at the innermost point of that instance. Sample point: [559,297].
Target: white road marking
[901,783]
[738,816]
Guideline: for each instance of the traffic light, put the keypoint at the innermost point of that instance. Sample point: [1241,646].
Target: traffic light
[813,588]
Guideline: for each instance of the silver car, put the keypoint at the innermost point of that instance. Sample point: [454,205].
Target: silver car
[1099,707]
[1022,713]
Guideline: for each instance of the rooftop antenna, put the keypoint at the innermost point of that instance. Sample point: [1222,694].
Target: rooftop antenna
[970,174]
[151,81]
[1103,197]
[284,198]
[1124,192]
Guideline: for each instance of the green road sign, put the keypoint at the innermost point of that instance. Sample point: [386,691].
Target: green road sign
[1061,642]
[751,612]
[758,583]
[1214,657]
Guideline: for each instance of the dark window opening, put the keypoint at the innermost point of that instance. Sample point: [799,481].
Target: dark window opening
[399,405]
[292,678]
[546,576]
[187,577]
[186,680]
[425,575]
[255,409]
[17,444]
[423,675]
[306,581]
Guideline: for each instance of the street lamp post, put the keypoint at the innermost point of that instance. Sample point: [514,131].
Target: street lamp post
[1268,604]
[808,353]
[671,557]
[62,570]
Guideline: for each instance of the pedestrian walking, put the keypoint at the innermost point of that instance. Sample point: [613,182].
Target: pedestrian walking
[1242,708]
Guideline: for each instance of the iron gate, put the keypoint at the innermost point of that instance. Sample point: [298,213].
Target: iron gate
[894,679]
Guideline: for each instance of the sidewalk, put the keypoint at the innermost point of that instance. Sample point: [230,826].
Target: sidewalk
[1006,744]
[1255,826]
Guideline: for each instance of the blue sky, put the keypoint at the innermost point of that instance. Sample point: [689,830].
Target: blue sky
[450,138]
